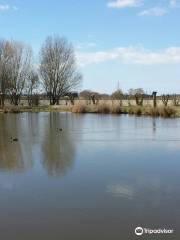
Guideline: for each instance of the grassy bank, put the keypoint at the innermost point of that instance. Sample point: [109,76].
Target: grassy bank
[20,109]
[103,108]
[162,111]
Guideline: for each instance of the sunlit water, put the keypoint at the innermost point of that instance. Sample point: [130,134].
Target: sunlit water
[97,179]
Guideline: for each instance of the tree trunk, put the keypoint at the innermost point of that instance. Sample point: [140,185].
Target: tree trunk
[2,100]
[57,101]
[16,100]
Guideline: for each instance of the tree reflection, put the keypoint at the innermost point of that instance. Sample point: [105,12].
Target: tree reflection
[39,140]
[14,156]
[58,146]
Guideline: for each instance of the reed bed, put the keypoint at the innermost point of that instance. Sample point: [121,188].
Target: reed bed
[79,108]
[101,108]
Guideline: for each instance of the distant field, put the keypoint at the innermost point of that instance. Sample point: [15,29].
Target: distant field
[110,102]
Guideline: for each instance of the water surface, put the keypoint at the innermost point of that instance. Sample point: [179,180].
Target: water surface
[98,178]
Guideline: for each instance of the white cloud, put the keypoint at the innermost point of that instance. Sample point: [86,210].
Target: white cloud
[7,7]
[123,191]
[85,45]
[124,3]
[174,3]
[131,55]
[156,11]
[4,7]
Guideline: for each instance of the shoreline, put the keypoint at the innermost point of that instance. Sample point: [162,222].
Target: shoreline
[161,111]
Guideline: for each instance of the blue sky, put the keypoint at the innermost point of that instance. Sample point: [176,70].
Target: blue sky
[133,42]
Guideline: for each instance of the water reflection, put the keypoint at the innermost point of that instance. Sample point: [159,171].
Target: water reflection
[123,191]
[126,175]
[39,141]
[13,155]
[154,125]
[58,148]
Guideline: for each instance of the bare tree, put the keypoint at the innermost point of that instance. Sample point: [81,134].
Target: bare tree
[138,94]
[118,95]
[2,83]
[139,99]
[176,100]
[19,69]
[71,96]
[32,86]
[95,97]
[165,99]
[58,68]
[5,55]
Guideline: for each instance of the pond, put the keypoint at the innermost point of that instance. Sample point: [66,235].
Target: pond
[88,176]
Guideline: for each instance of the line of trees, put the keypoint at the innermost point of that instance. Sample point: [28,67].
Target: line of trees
[15,69]
[138,95]
[57,71]
[57,74]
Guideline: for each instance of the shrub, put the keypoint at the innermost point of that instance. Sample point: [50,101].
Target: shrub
[103,108]
[164,111]
[79,108]
[152,111]
[138,111]
[116,109]
[167,112]
[124,110]
[131,110]
[135,110]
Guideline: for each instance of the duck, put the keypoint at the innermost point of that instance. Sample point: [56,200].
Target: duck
[15,139]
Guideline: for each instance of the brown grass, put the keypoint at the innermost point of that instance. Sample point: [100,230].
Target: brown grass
[104,108]
[12,109]
[151,111]
[167,112]
[116,109]
[136,110]
[79,108]
[163,111]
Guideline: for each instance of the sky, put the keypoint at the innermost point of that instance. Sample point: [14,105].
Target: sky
[130,43]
